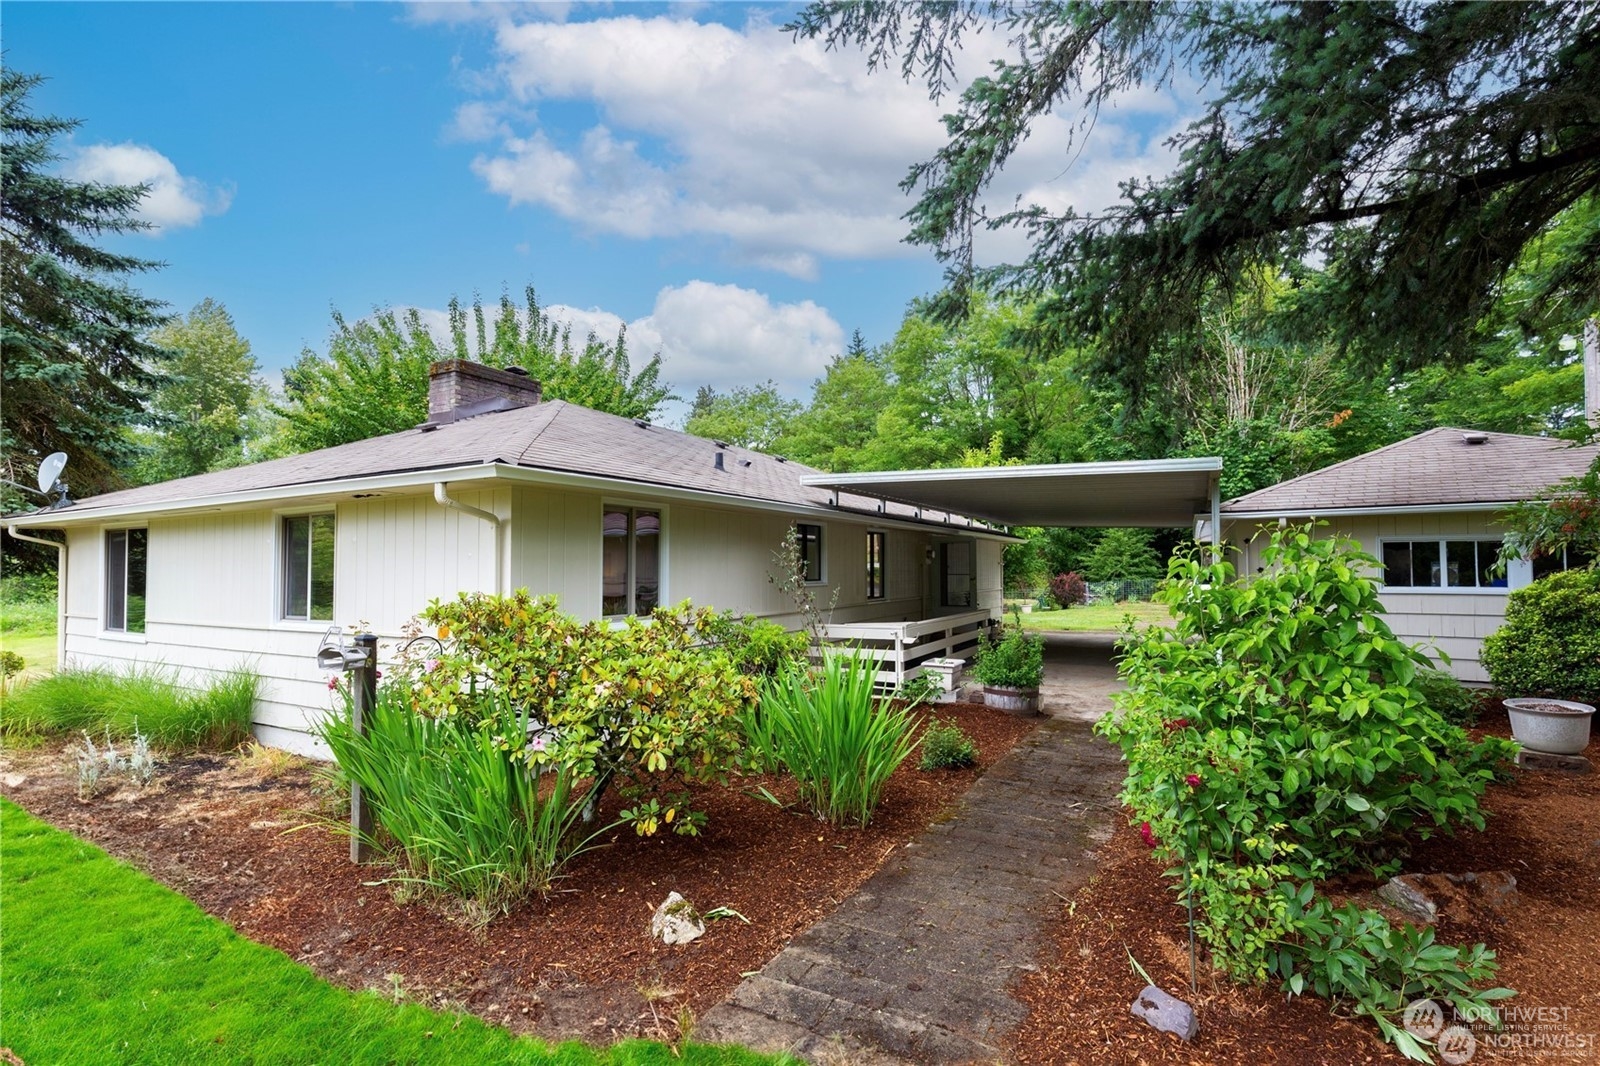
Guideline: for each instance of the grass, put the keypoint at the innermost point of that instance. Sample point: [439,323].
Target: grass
[103,965]
[1098,617]
[97,699]
[28,622]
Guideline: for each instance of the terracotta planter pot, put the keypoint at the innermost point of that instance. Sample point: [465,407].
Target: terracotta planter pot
[1559,727]
[1022,702]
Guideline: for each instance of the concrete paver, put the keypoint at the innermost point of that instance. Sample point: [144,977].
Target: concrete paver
[916,966]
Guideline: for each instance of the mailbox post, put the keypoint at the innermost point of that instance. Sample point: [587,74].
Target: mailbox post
[363,694]
[360,661]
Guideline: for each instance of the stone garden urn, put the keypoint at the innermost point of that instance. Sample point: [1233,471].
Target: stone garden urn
[1559,727]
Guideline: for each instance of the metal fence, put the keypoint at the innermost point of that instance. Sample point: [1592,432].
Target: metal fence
[1039,599]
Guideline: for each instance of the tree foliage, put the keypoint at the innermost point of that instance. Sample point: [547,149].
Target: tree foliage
[1415,149]
[374,378]
[77,365]
[202,407]
[755,417]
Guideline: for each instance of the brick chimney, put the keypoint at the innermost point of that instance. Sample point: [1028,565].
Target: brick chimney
[1591,371]
[460,389]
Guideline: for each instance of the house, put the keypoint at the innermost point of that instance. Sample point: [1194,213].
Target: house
[498,490]
[1427,509]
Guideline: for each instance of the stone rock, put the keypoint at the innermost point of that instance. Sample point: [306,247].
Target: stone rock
[1166,1013]
[1544,760]
[676,921]
[14,780]
[1423,897]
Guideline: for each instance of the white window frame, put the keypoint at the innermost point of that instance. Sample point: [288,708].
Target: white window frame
[632,506]
[280,569]
[106,632]
[822,552]
[1444,561]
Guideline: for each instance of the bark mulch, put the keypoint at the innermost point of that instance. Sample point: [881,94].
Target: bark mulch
[248,847]
[1544,828]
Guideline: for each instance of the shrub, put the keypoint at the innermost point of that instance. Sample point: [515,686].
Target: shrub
[1069,589]
[925,687]
[755,646]
[1016,660]
[946,747]
[1440,690]
[1550,644]
[640,705]
[149,699]
[11,664]
[838,740]
[466,814]
[1275,736]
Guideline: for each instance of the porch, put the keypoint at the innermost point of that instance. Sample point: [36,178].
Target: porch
[904,648]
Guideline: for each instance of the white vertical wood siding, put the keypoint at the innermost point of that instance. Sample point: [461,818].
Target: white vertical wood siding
[213,580]
[1452,621]
[212,594]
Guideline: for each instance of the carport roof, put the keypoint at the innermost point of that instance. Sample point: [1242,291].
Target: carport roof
[1140,492]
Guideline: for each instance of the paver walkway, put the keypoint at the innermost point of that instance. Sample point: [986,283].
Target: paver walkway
[916,965]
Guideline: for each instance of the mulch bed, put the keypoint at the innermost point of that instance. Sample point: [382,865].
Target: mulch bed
[1544,828]
[579,963]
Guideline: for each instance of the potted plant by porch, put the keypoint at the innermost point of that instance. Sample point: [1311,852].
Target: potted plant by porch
[1010,670]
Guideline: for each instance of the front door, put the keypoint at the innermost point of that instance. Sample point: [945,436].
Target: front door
[957,575]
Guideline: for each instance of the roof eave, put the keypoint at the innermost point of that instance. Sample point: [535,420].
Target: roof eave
[1355,512]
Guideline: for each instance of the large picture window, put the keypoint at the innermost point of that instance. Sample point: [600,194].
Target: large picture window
[126,553]
[308,567]
[875,544]
[631,562]
[809,540]
[1451,564]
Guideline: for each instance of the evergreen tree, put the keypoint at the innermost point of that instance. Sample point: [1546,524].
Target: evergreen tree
[77,366]
[1414,148]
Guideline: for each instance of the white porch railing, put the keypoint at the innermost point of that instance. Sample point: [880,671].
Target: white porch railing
[902,647]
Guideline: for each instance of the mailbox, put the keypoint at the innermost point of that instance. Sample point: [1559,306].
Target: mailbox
[338,655]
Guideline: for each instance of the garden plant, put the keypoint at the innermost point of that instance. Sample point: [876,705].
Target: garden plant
[828,729]
[1016,660]
[150,700]
[1550,643]
[1276,736]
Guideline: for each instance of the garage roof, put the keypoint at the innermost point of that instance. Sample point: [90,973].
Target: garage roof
[1142,492]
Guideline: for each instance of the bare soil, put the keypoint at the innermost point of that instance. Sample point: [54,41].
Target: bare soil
[250,844]
[1543,828]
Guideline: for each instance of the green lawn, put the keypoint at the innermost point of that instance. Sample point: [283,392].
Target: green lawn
[37,649]
[1098,616]
[103,965]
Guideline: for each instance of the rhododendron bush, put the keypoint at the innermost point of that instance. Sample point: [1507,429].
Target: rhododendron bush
[1274,738]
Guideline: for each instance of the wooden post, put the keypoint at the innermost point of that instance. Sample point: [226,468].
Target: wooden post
[363,694]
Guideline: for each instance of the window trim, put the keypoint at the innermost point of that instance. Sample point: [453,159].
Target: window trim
[822,552]
[105,630]
[1444,561]
[631,506]
[882,537]
[280,615]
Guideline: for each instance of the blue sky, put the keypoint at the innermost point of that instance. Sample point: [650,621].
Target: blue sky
[690,171]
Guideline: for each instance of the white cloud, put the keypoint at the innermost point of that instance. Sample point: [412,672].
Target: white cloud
[173,202]
[710,334]
[786,151]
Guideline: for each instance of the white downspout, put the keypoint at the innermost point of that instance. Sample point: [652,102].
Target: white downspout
[441,495]
[61,590]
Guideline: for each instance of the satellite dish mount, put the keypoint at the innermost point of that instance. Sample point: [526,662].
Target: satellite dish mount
[51,487]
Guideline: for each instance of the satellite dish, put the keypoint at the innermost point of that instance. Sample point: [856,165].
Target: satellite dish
[50,470]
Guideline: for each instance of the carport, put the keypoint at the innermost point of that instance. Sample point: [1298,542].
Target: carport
[1157,493]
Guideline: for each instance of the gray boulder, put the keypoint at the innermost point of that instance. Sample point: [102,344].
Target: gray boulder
[1166,1013]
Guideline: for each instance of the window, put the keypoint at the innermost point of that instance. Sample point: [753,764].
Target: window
[308,567]
[1456,564]
[875,539]
[631,561]
[809,540]
[126,551]
[957,567]
[1557,561]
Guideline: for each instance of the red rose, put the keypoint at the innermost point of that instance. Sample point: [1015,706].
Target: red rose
[1193,780]
[1147,835]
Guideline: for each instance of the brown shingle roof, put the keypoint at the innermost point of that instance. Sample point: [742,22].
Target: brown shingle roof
[1435,468]
[555,435]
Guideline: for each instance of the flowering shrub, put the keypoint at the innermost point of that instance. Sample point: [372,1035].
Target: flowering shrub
[1069,589]
[640,705]
[1274,737]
